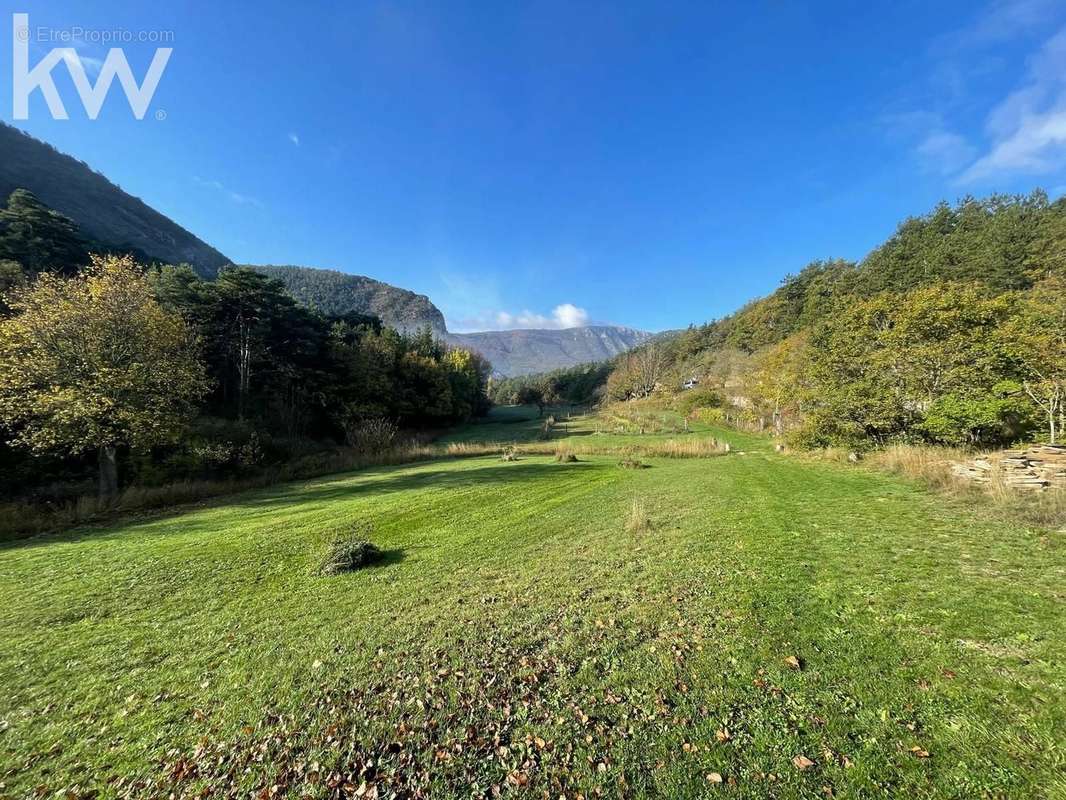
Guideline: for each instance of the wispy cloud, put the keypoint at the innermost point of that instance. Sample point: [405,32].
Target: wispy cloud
[945,152]
[1027,129]
[1000,21]
[235,197]
[91,64]
[564,315]
[295,139]
[960,125]
[935,147]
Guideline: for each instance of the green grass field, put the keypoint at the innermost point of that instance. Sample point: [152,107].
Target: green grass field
[518,639]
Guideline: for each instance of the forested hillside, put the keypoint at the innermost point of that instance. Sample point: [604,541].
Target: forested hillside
[333,292]
[160,376]
[515,352]
[104,212]
[953,331]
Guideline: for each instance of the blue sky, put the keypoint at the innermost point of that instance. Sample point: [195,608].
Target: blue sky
[547,163]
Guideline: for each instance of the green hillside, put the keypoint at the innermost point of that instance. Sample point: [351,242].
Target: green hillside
[102,210]
[1000,242]
[338,293]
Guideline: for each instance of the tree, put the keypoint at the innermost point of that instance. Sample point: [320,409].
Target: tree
[468,374]
[38,238]
[1036,337]
[776,383]
[639,373]
[94,363]
[531,395]
[879,367]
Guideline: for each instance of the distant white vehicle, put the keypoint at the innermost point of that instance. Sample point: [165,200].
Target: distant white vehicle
[691,383]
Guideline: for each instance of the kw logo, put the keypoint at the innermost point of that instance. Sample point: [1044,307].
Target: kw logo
[27,80]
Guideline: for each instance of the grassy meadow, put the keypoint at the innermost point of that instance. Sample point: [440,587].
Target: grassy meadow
[746,625]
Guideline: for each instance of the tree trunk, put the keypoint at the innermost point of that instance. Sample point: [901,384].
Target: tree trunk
[108,475]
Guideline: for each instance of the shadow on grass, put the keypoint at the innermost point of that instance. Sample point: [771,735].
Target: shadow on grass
[261,504]
[521,471]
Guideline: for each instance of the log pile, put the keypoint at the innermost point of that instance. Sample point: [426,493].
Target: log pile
[1039,467]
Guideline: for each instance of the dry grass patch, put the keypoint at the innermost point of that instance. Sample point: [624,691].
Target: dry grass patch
[472,449]
[686,448]
[637,519]
[564,455]
[932,467]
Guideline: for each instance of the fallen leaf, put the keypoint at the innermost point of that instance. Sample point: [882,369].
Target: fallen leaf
[802,762]
[793,663]
[714,777]
[919,752]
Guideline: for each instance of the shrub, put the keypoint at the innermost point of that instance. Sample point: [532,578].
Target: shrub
[350,552]
[632,463]
[510,454]
[371,435]
[565,456]
[709,416]
[699,398]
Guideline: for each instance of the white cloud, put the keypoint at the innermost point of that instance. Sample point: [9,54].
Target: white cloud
[564,315]
[568,315]
[235,197]
[295,139]
[1027,129]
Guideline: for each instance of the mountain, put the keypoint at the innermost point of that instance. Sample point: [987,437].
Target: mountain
[100,208]
[516,352]
[113,218]
[333,292]
[522,352]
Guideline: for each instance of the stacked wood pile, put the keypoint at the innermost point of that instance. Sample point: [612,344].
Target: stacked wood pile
[1039,467]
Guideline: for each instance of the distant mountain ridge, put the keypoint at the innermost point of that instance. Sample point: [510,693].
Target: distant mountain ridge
[515,352]
[101,209]
[334,292]
[523,352]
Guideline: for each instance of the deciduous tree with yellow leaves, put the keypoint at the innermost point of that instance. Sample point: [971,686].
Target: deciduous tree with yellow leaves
[94,363]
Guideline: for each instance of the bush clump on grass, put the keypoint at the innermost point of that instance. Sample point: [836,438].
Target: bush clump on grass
[350,552]
[565,456]
[632,463]
[510,454]
[372,435]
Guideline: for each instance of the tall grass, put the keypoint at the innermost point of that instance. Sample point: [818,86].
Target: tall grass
[703,447]
[932,467]
[637,519]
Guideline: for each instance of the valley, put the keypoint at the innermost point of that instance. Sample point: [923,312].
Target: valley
[772,627]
